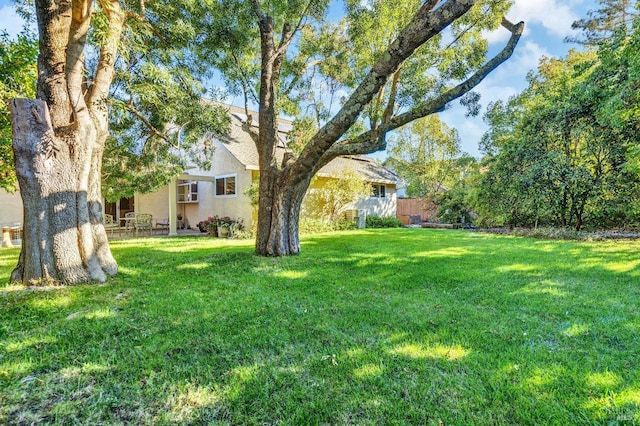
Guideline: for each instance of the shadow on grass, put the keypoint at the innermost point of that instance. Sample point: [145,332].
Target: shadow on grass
[402,326]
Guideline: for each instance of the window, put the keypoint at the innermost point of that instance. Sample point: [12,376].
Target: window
[226,185]
[187,191]
[378,191]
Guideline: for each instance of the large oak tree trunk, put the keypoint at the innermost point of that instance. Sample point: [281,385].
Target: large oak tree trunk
[58,142]
[279,214]
[59,176]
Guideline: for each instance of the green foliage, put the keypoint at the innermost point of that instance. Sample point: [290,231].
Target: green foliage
[309,225]
[454,205]
[398,326]
[423,155]
[558,160]
[330,59]
[328,201]
[253,192]
[303,129]
[18,75]
[374,221]
[444,59]
[160,123]
[601,24]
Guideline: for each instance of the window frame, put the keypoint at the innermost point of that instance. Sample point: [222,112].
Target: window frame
[188,195]
[225,178]
[378,190]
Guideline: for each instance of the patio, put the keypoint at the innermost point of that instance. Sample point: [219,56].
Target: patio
[122,234]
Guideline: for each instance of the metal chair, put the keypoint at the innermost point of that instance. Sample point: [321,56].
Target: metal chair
[110,225]
[129,221]
[163,224]
[143,222]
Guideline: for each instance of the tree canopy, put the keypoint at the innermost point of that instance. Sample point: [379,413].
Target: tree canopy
[565,150]
[423,153]
[601,24]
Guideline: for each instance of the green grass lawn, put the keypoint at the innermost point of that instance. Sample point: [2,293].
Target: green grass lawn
[395,326]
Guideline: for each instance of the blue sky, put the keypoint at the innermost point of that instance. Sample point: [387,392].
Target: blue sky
[548,22]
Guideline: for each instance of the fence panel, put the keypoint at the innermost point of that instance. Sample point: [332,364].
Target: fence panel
[408,207]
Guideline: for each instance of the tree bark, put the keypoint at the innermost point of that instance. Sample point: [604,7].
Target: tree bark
[64,239]
[279,213]
[58,143]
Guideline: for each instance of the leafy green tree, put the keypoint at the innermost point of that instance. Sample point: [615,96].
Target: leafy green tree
[159,119]
[602,23]
[18,74]
[119,65]
[386,65]
[423,154]
[328,201]
[615,83]
[558,163]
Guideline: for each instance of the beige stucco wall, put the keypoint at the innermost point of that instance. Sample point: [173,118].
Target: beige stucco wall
[155,203]
[382,207]
[234,206]
[11,211]
[373,205]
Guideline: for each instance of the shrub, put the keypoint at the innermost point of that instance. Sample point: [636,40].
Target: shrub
[314,226]
[328,201]
[383,222]
[209,224]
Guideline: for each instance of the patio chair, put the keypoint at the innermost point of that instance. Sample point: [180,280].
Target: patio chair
[129,221]
[110,225]
[143,222]
[163,224]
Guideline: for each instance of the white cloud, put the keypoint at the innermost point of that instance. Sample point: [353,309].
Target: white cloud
[526,58]
[10,21]
[553,15]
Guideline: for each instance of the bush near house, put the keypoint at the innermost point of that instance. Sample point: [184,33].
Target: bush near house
[383,222]
[309,225]
[329,201]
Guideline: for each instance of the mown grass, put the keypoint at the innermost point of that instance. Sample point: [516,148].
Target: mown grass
[400,326]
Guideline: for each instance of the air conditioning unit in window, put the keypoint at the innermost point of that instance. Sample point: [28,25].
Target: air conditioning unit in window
[358,216]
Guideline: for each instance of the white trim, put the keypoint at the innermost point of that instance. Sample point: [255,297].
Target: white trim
[215,185]
[173,207]
[382,188]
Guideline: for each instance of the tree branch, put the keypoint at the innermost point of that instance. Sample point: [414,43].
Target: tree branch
[424,25]
[388,111]
[97,95]
[246,87]
[80,24]
[258,10]
[288,32]
[132,109]
[297,77]
[53,23]
[372,141]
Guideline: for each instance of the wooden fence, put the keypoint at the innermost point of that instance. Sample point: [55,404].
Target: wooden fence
[408,208]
